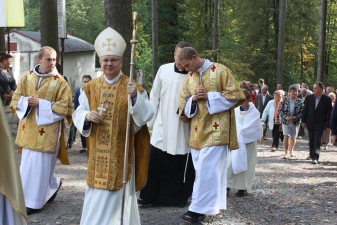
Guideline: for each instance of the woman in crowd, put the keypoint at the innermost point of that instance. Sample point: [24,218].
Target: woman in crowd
[253,89]
[7,81]
[291,113]
[326,133]
[271,111]
[241,162]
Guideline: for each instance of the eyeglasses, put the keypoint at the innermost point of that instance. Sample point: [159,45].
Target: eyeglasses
[106,61]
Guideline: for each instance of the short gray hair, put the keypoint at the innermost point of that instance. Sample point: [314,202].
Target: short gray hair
[293,87]
[264,86]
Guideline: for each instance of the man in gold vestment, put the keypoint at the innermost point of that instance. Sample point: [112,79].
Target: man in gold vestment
[42,100]
[102,117]
[208,96]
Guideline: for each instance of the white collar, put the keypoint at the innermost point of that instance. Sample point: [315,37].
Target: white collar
[207,64]
[37,71]
[114,80]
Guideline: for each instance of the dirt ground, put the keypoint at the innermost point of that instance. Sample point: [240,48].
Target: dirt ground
[284,192]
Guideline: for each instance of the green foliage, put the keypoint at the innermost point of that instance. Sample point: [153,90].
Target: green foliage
[248,34]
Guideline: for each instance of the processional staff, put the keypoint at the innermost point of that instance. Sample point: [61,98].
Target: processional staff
[132,67]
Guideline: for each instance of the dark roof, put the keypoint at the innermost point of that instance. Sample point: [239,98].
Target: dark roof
[71,43]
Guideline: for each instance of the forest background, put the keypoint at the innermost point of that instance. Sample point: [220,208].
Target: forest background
[248,35]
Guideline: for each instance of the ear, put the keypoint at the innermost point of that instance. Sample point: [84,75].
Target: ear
[38,60]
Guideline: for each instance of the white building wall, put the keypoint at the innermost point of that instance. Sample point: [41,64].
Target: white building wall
[76,65]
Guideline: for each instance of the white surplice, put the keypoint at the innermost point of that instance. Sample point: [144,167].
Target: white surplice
[8,216]
[248,127]
[38,189]
[172,139]
[209,190]
[104,206]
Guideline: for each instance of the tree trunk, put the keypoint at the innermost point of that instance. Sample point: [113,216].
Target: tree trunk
[154,39]
[321,41]
[48,23]
[276,6]
[331,25]
[2,40]
[216,30]
[281,42]
[118,15]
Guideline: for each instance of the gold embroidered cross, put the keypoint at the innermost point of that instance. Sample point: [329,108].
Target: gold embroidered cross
[110,45]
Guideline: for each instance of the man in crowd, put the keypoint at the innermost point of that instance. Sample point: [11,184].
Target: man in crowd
[243,84]
[328,90]
[261,84]
[302,96]
[85,79]
[304,85]
[262,100]
[316,118]
[208,96]
[168,183]
[280,87]
[102,118]
[42,100]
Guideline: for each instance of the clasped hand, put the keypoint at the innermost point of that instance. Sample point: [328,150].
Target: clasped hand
[200,93]
[33,100]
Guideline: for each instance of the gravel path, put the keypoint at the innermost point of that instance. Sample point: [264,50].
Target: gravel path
[284,192]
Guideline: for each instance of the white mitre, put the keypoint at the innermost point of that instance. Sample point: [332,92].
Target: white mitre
[110,42]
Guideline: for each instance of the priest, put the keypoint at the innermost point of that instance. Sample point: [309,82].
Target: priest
[208,96]
[101,117]
[171,173]
[42,100]
[241,163]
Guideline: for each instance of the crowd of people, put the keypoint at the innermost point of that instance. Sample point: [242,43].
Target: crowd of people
[287,114]
[205,128]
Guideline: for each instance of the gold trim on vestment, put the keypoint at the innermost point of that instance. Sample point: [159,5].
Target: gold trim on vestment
[51,88]
[215,117]
[29,79]
[49,95]
[103,136]
[195,133]
[40,137]
[106,142]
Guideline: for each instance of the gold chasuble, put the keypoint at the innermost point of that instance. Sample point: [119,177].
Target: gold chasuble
[219,128]
[46,137]
[106,142]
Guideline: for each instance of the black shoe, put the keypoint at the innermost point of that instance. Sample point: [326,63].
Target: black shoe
[228,189]
[192,216]
[142,202]
[241,193]
[54,195]
[83,151]
[31,211]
